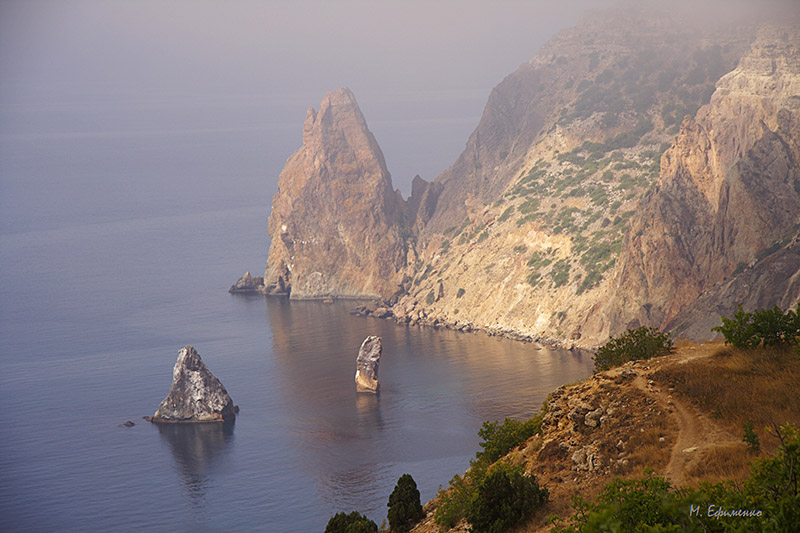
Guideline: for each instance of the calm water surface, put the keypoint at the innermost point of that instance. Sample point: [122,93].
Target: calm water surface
[102,285]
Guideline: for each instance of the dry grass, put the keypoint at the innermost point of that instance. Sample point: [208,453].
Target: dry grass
[733,386]
[648,450]
[723,463]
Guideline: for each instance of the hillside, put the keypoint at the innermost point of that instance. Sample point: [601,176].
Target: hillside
[681,414]
[644,188]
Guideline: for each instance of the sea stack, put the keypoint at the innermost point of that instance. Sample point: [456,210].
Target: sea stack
[369,356]
[337,227]
[196,395]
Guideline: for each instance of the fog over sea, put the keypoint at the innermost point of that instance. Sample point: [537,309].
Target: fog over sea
[126,212]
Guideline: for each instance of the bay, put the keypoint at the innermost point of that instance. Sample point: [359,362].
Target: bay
[117,250]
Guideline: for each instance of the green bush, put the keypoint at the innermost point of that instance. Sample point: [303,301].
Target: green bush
[768,326]
[504,498]
[499,439]
[430,298]
[460,293]
[751,438]
[774,483]
[454,503]
[405,509]
[640,343]
[506,213]
[350,523]
[560,273]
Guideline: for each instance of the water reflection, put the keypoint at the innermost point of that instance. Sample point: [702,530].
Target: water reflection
[369,410]
[437,388]
[198,450]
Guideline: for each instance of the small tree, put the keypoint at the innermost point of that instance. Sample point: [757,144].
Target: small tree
[405,509]
[640,343]
[768,326]
[354,522]
[499,439]
[505,498]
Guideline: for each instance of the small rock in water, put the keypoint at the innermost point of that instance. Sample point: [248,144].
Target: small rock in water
[128,424]
[248,283]
[369,356]
[196,395]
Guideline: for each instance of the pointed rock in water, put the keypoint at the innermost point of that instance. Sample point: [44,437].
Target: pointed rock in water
[337,227]
[369,356]
[196,394]
[248,283]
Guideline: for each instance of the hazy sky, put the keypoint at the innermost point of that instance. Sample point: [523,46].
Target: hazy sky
[421,70]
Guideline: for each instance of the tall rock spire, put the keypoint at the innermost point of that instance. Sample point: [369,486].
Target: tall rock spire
[336,225]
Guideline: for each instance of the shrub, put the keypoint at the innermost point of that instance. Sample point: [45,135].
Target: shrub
[430,298]
[504,498]
[354,522]
[529,206]
[460,293]
[768,326]
[506,213]
[751,438]
[774,483]
[738,330]
[640,343]
[560,273]
[454,503]
[405,509]
[499,439]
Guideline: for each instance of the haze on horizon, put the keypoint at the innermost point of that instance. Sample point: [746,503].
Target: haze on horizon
[421,71]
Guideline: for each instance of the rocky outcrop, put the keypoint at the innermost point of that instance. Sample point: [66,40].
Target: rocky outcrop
[369,357]
[196,395]
[248,284]
[337,225]
[729,188]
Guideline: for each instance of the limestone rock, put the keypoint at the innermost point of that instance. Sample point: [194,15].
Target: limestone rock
[248,283]
[336,225]
[196,395]
[592,418]
[729,188]
[382,312]
[369,356]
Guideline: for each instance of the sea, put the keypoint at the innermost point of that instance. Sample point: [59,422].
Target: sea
[121,229]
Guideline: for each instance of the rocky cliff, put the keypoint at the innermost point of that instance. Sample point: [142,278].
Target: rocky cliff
[638,164]
[729,188]
[336,225]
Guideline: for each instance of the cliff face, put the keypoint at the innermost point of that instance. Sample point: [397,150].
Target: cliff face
[588,83]
[336,223]
[729,188]
[636,166]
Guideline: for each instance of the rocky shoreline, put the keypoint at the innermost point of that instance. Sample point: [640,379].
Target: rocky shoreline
[420,316]
[410,313]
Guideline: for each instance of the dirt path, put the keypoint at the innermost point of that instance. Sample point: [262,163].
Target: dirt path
[696,432]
